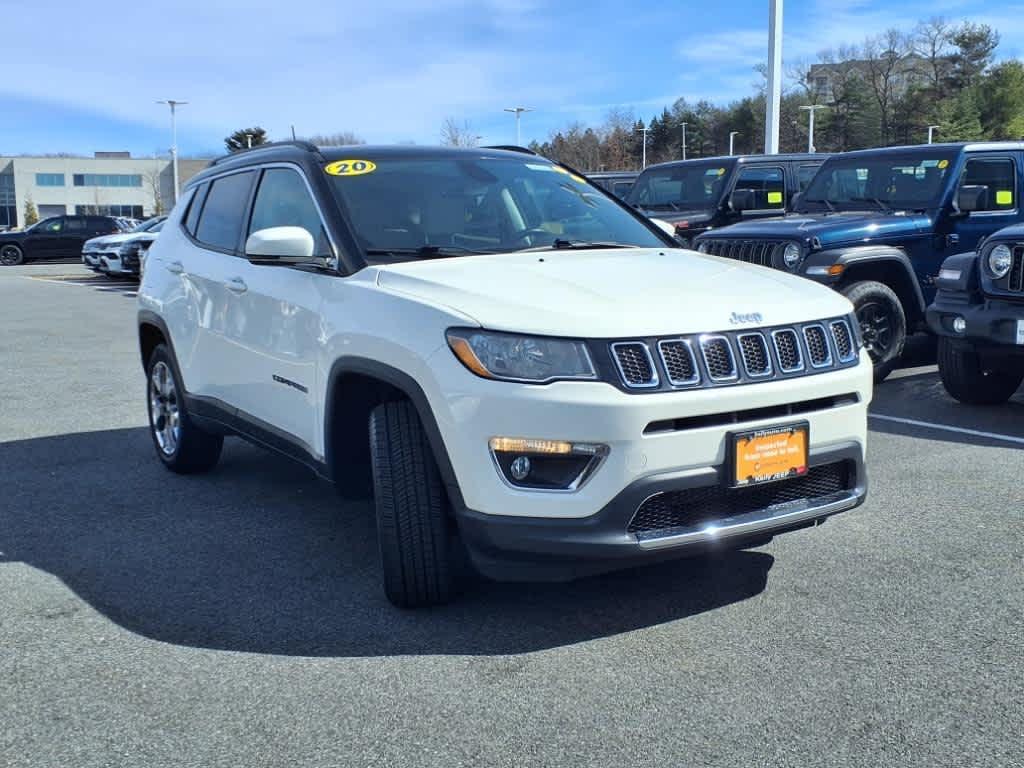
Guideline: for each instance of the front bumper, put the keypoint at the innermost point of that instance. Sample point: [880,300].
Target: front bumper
[522,549]
[989,322]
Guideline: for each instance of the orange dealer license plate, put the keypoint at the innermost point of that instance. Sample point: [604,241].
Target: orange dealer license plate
[770,454]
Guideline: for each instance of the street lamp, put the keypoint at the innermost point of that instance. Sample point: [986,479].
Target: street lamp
[810,124]
[518,111]
[773,98]
[683,126]
[174,104]
[644,131]
[931,131]
[732,135]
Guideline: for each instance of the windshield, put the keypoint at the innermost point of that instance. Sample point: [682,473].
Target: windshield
[149,225]
[681,187]
[465,204]
[887,181]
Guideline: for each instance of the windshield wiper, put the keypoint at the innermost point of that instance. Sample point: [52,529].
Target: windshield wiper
[824,200]
[560,244]
[426,251]
[882,206]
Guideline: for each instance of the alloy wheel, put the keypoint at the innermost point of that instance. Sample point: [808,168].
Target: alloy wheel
[164,412]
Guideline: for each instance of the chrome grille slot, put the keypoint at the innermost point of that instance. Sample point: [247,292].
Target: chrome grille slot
[680,364]
[787,348]
[718,358]
[843,338]
[817,346]
[754,351]
[1016,279]
[750,251]
[635,364]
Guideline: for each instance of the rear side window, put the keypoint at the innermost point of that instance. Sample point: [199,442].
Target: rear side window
[73,225]
[804,174]
[767,184]
[221,220]
[194,207]
[997,179]
[283,200]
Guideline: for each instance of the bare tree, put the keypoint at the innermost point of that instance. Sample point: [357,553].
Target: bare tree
[151,178]
[884,60]
[455,134]
[932,43]
[339,139]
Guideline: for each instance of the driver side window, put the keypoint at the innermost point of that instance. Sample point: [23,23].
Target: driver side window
[997,180]
[767,184]
[51,226]
[284,201]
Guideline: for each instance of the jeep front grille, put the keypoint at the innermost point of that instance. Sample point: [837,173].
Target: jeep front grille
[635,364]
[750,251]
[673,512]
[1016,280]
[734,357]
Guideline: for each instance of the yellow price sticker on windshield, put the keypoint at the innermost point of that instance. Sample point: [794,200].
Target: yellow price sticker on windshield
[721,171]
[943,163]
[774,198]
[1004,197]
[350,167]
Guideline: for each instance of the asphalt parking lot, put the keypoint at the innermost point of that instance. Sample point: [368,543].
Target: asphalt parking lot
[236,619]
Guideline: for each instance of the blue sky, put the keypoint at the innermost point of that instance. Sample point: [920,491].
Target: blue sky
[393,70]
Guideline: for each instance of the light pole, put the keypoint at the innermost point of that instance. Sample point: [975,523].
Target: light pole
[810,125]
[732,135]
[518,111]
[174,104]
[774,95]
[683,126]
[644,131]
[931,131]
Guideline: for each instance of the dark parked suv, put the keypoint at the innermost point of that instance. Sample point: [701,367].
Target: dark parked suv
[877,224]
[698,195]
[58,237]
[978,315]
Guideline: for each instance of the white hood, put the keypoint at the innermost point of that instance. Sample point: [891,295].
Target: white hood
[613,293]
[110,239]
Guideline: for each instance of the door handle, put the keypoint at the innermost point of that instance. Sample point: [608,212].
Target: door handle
[175,267]
[236,285]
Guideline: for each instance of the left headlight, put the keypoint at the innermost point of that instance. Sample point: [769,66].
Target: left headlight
[791,255]
[528,359]
[999,261]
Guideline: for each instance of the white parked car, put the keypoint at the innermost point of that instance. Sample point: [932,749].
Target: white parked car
[94,248]
[124,258]
[515,364]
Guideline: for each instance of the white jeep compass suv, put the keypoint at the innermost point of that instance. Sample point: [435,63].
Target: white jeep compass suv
[515,364]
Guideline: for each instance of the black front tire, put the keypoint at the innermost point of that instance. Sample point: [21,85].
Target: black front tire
[414,525]
[11,256]
[194,450]
[968,381]
[883,323]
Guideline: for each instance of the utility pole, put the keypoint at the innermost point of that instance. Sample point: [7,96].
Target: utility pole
[774,100]
[931,132]
[732,135]
[174,104]
[683,126]
[644,131]
[518,111]
[248,141]
[810,124]
[293,133]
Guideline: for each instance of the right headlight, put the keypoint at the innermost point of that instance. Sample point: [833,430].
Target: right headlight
[791,255]
[527,359]
[999,261]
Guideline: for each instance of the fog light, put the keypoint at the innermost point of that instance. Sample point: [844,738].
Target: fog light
[520,468]
[959,324]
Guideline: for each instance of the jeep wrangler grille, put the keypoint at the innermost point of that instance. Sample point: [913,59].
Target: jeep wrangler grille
[1016,281]
[750,251]
[732,357]
[677,512]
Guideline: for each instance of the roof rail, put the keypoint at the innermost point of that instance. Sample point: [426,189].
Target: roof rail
[512,148]
[298,143]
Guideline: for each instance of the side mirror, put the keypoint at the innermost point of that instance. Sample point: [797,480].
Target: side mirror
[279,244]
[741,200]
[972,197]
[665,227]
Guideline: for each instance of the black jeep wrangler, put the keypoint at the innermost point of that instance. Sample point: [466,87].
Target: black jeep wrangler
[978,315]
[877,224]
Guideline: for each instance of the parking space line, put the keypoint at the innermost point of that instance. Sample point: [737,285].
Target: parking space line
[948,428]
[906,372]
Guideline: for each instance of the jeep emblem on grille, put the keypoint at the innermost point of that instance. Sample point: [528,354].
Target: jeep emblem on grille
[738,319]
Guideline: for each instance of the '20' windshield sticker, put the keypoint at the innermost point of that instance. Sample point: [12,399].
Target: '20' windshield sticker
[350,167]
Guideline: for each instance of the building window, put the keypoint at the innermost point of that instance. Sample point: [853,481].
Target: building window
[107,180]
[128,211]
[8,203]
[49,179]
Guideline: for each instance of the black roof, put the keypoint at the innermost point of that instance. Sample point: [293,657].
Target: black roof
[743,159]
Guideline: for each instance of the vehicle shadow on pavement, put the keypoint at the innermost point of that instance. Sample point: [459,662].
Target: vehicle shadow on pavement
[260,556]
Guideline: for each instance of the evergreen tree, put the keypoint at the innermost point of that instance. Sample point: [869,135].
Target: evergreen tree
[244,138]
[31,215]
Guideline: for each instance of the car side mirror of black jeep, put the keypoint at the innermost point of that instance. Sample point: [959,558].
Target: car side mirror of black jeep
[741,200]
[972,197]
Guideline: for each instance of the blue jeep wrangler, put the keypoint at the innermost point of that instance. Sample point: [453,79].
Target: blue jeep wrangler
[978,315]
[877,224]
